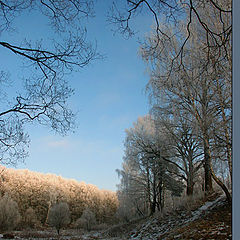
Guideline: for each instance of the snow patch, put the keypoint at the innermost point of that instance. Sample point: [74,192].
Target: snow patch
[204,208]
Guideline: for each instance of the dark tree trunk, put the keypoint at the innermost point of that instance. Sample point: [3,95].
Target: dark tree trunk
[190,182]
[189,189]
[154,200]
[160,194]
[149,192]
[153,207]
[222,185]
[207,167]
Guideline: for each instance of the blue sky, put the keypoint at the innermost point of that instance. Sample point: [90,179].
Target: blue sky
[109,97]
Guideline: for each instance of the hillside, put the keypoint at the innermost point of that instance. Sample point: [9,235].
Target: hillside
[211,219]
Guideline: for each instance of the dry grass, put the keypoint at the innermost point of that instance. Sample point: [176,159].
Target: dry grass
[48,234]
[123,229]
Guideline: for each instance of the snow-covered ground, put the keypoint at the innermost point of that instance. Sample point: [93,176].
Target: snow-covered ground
[153,229]
[207,206]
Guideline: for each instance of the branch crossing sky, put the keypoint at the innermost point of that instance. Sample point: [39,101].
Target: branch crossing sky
[109,97]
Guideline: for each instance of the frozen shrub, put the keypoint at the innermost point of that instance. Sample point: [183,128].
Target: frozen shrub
[101,226]
[130,207]
[188,203]
[9,215]
[126,211]
[80,223]
[59,216]
[87,221]
[30,219]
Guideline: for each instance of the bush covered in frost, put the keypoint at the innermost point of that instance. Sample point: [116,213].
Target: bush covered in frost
[59,216]
[87,221]
[9,214]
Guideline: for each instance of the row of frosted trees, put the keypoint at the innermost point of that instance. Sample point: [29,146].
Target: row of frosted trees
[163,161]
[186,139]
[39,192]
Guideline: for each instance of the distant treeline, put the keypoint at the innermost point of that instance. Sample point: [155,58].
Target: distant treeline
[40,191]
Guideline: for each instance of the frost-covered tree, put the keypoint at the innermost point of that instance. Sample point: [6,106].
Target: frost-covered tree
[188,154]
[59,216]
[190,86]
[150,172]
[212,17]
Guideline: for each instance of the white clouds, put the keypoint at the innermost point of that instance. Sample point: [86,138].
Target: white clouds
[58,144]
[77,146]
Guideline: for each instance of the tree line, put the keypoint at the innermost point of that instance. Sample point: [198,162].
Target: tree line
[38,193]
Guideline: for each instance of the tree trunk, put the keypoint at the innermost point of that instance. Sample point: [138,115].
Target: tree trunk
[160,194]
[149,192]
[204,128]
[207,167]
[153,208]
[222,185]
[190,183]
[225,125]
[189,188]
[154,200]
